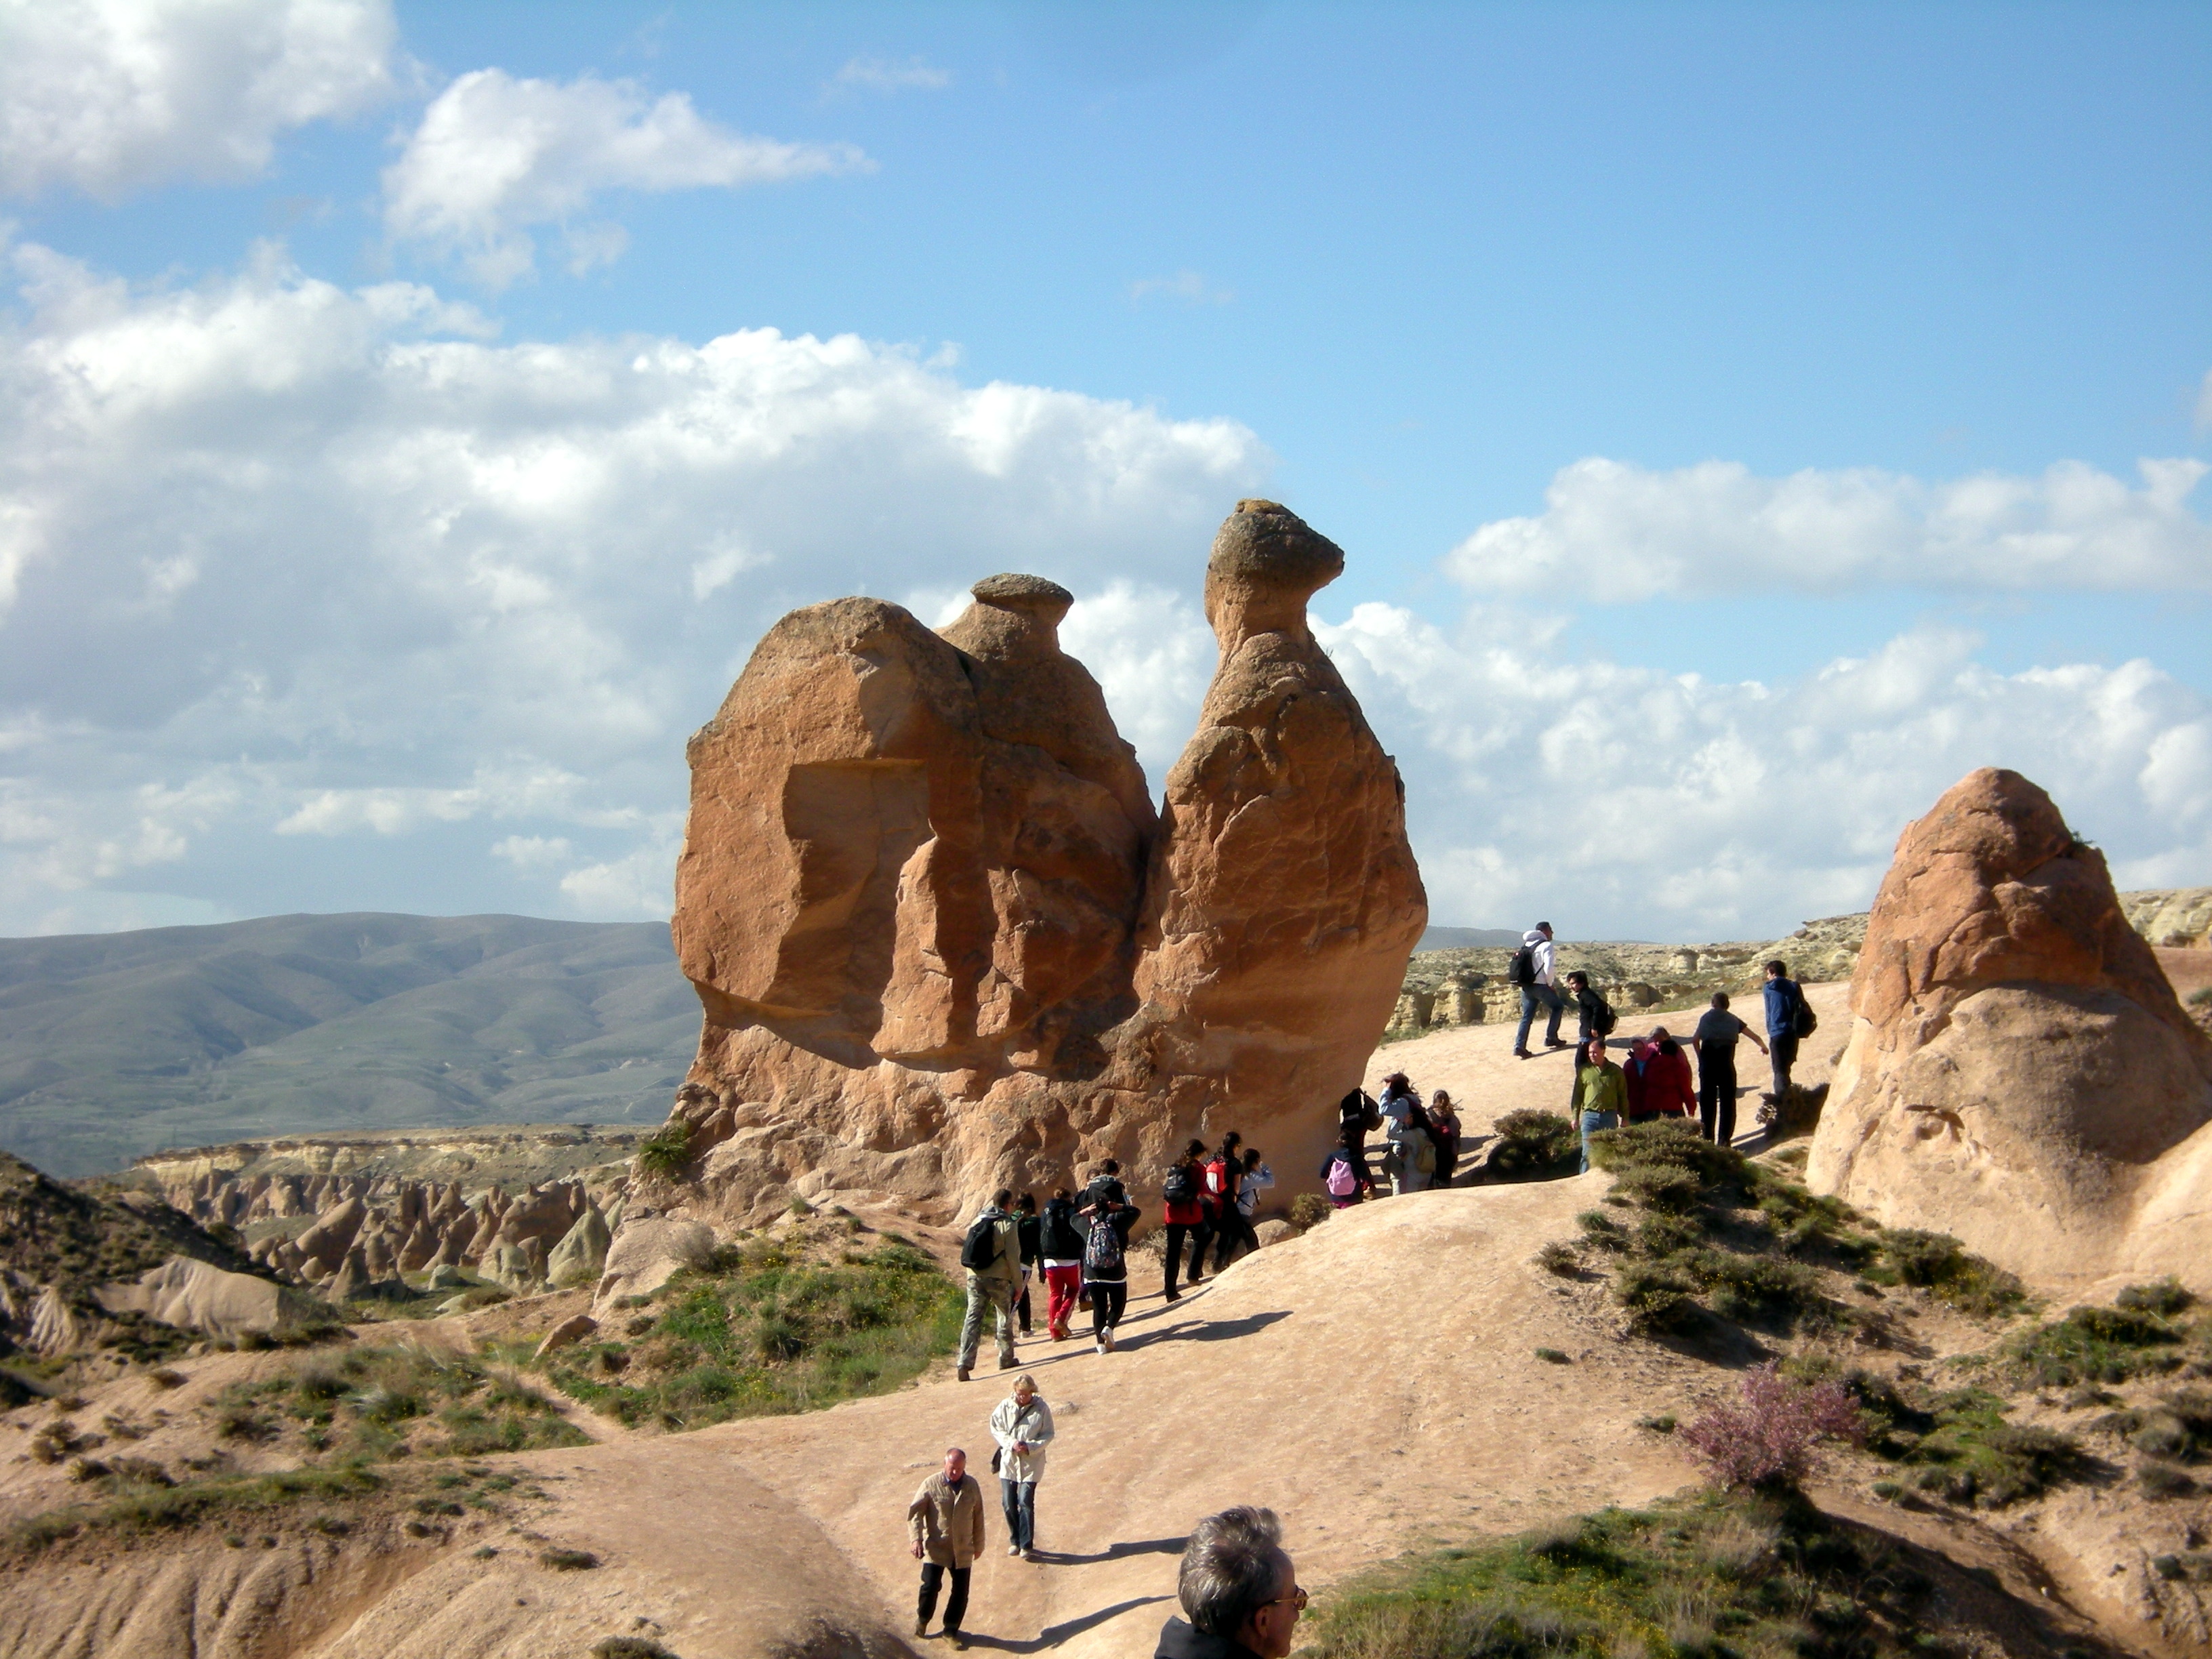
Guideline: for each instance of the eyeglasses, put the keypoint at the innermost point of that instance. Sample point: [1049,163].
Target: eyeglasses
[1297,1598]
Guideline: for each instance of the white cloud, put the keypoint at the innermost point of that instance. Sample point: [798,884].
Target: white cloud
[1669,807]
[1189,286]
[113,96]
[532,853]
[2204,401]
[882,75]
[1611,532]
[285,562]
[1153,656]
[494,155]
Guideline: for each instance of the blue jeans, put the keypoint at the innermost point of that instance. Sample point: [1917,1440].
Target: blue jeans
[1592,1123]
[1019,1499]
[1531,995]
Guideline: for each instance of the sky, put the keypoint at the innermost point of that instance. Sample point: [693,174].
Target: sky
[1740,422]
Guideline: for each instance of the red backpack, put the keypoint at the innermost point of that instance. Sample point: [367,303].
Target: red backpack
[1219,1192]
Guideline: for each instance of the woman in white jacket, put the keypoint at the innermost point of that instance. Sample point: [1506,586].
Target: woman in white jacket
[1022,1427]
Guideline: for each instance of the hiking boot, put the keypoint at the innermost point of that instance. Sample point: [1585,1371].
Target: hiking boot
[963,1374]
[1008,1363]
[1557,1042]
[922,1627]
[1172,1294]
[1523,1054]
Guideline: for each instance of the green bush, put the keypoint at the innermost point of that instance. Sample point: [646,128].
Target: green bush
[1309,1211]
[2164,1297]
[2095,1344]
[1532,1145]
[667,1150]
[1712,1575]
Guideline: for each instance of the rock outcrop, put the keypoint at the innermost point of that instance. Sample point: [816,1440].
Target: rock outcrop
[2020,1072]
[943,941]
[197,1295]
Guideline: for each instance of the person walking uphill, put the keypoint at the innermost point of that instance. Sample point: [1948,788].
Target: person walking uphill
[1022,1427]
[1356,1114]
[1060,1242]
[945,1524]
[1183,1198]
[1106,1261]
[992,1253]
[1531,970]
[1600,1097]
[1239,1591]
[1789,1018]
[1718,1030]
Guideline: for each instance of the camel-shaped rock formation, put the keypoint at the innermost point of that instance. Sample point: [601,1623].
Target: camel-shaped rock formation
[943,941]
[2020,1072]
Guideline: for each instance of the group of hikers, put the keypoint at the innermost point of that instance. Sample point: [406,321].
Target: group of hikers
[1078,1244]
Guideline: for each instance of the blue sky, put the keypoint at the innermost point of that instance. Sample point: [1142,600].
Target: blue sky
[1732,415]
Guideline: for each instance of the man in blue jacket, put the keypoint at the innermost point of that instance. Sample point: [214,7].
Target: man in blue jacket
[1783,999]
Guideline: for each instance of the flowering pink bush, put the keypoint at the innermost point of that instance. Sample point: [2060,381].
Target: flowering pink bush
[1774,1436]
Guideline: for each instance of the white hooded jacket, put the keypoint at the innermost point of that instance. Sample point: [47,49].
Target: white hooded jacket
[1539,951]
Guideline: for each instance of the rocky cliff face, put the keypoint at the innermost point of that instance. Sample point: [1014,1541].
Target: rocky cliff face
[2020,1072]
[943,941]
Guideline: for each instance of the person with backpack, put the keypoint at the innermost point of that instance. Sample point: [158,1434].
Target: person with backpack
[1027,1225]
[1443,1129]
[1356,1114]
[1223,1171]
[1593,1015]
[1106,1261]
[1182,1199]
[1788,1020]
[992,1253]
[1059,1249]
[1022,1427]
[1530,969]
[1412,1159]
[1601,1095]
[1716,1034]
[1399,1096]
[1253,1178]
[1344,1175]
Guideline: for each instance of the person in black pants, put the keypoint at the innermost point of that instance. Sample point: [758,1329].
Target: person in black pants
[1784,997]
[1716,1034]
[1184,1212]
[1029,1228]
[944,1528]
[1106,1275]
[1357,1113]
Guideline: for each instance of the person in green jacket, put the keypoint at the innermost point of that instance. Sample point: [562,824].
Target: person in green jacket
[1600,1094]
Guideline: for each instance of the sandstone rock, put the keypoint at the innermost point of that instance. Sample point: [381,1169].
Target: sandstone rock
[581,1255]
[350,1281]
[942,940]
[650,1249]
[197,1295]
[2020,1072]
[443,1276]
[510,1267]
[575,1328]
[332,1235]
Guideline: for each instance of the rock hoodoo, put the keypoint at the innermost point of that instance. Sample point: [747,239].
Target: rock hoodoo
[2020,1072]
[942,939]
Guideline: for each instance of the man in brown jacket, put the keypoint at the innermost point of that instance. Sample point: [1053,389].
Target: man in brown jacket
[946,1522]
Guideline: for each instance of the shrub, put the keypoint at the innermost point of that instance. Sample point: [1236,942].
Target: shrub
[2094,1345]
[1558,1257]
[667,1150]
[1309,1211]
[1532,1145]
[1937,1263]
[629,1647]
[2166,1297]
[2159,1481]
[1657,1300]
[1553,1357]
[569,1560]
[1774,1436]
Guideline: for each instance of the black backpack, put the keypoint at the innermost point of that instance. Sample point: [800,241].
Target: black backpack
[1181,1186]
[1602,1019]
[1521,969]
[980,1247]
[1803,1021]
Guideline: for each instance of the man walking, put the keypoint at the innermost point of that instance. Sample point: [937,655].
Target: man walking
[944,1523]
[992,1253]
[1718,1030]
[1785,999]
[1239,1591]
[1531,969]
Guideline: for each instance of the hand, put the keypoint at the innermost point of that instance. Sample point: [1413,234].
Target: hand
[917,1549]
[1021,1448]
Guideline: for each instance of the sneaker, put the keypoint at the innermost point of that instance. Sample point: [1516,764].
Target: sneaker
[963,1374]
[1100,1345]
[1013,1549]
[1028,1555]
[1107,1340]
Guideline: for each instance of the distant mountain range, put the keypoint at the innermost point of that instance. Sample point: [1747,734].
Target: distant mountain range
[116,1044]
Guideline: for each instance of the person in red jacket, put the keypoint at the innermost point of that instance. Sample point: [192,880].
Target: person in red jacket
[1223,1171]
[1183,1209]
[1668,1090]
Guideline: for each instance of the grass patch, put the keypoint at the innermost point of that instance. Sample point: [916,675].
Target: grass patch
[138,1506]
[667,1150]
[368,1404]
[1710,1575]
[2101,1345]
[777,1326]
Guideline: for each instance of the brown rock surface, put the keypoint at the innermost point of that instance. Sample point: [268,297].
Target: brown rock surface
[2020,1072]
[943,941]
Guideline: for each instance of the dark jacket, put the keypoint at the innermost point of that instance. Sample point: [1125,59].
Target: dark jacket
[1193,1214]
[1179,1641]
[1030,1229]
[1059,1238]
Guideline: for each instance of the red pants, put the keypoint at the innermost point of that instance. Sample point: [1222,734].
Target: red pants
[1063,1283]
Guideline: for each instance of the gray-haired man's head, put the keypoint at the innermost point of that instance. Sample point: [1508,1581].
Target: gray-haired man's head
[1234,1575]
